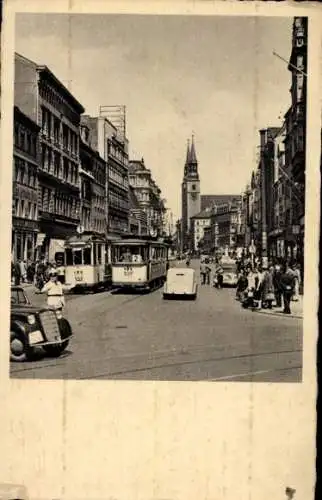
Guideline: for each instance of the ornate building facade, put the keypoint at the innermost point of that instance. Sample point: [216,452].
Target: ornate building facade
[190,197]
[42,97]
[25,187]
[148,195]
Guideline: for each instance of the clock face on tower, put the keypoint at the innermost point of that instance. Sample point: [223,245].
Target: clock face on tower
[194,196]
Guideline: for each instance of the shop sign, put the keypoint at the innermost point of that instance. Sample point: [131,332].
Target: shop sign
[40,239]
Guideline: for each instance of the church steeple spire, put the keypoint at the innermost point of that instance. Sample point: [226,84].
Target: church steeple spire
[193,156]
[191,164]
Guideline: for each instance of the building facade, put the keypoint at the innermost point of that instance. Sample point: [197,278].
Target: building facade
[148,195]
[138,217]
[295,140]
[25,187]
[190,197]
[112,146]
[42,97]
[92,175]
[200,222]
[226,226]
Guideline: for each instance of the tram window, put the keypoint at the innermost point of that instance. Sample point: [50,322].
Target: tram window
[126,254]
[69,257]
[87,256]
[77,257]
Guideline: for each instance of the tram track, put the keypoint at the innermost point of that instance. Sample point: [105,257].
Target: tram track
[140,358]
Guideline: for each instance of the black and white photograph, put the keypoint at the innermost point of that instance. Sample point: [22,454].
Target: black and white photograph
[159,217]
[165,252]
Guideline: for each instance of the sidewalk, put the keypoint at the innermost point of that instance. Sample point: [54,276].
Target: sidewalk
[296,308]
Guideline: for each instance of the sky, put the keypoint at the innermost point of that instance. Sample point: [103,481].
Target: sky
[213,76]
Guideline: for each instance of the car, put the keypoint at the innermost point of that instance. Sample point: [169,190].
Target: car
[180,282]
[34,326]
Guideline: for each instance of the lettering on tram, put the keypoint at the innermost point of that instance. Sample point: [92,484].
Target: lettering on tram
[139,264]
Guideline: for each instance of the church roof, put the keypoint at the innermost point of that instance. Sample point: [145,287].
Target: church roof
[204,214]
[210,200]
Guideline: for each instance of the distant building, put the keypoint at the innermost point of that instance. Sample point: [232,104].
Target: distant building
[43,98]
[200,222]
[148,195]
[211,200]
[226,226]
[25,187]
[92,187]
[190,197]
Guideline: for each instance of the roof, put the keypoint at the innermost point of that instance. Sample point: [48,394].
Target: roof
[209,200]
[41,68]
[19,115]
[204,214]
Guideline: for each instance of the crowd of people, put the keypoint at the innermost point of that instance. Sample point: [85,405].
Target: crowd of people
[276,285]
[35,272]
[258,286]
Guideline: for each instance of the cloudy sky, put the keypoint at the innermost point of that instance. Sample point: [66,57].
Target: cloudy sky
[214,76]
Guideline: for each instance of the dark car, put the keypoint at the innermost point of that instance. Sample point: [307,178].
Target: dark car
[32,326]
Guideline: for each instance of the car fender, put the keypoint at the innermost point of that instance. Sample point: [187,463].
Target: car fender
[65,328]
[19,327]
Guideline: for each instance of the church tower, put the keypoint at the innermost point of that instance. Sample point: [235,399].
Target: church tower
[190,192]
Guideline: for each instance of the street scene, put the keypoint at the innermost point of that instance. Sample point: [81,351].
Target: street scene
[158,231]
[142,337]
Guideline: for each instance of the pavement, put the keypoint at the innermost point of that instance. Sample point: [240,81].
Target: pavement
[296,310]
[143,337]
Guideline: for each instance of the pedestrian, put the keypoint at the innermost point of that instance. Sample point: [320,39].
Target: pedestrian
[23,270]
[268,287]
[208,272]
[297,282]
[288,282]
[258,287]
[219,278]
[277,276]
[202,272]
[17,273]
[242,285]
[55,292]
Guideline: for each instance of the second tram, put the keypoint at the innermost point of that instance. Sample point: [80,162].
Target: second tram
[139,264]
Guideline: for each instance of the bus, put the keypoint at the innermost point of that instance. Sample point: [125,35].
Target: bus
[140,264]
[86,266]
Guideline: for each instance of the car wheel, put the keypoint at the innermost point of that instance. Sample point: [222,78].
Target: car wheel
[18,347]
[55,351]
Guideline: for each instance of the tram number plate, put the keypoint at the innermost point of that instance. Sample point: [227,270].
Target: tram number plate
[128,270]
[78,275]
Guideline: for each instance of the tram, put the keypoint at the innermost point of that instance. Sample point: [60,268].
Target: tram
[85,263]
[139,264]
